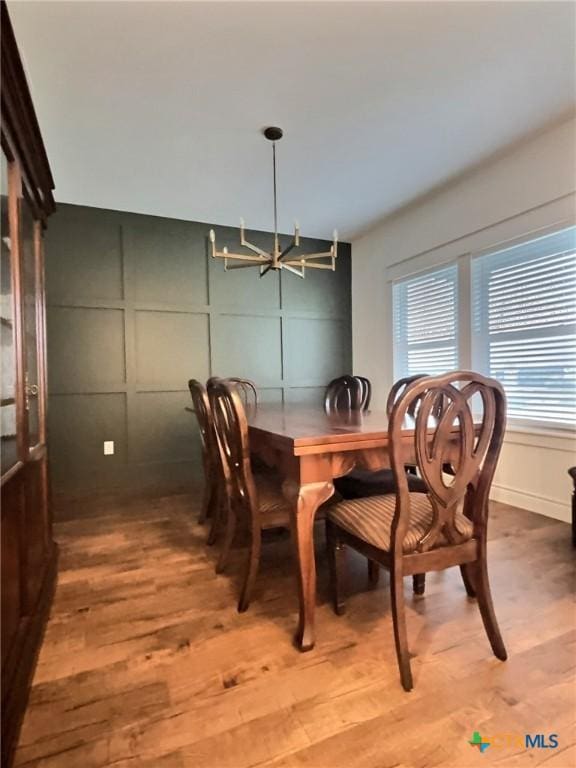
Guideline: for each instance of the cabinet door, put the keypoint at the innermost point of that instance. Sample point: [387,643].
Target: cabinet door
[36,496]
[8,320]
[11,464]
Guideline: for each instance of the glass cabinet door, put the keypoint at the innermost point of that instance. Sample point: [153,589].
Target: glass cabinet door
[31,347]
[8,342]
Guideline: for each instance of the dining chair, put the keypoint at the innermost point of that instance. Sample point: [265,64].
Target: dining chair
[348,393]
[247,390]
[572,473]
[210,455]
[256,498]
[410,533]
[361,482]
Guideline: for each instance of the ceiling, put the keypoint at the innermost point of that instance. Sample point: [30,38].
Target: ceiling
[157,107]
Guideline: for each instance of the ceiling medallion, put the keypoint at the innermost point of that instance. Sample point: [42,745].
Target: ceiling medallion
[276,259]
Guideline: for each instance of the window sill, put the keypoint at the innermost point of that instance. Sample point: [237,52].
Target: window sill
[541,437]
[568,433]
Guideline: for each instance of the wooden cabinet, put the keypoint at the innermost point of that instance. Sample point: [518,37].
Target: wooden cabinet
[28,563]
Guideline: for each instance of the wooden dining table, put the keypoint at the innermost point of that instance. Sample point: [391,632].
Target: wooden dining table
[309,448]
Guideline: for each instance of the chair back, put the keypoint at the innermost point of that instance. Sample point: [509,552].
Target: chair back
[398,388]
[366,391]
[246,389]
[347,393]
[459,420]
[232,433]
[203,411]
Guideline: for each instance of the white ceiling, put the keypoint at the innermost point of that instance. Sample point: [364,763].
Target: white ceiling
[157,107]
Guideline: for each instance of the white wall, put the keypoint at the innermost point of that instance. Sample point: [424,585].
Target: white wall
[530,187]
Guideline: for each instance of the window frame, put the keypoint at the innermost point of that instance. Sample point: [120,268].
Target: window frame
[416,275]
[470,348]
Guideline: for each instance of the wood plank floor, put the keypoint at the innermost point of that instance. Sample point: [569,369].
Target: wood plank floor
[147,663]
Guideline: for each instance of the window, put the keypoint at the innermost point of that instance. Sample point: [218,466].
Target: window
[524,326]
[425,323]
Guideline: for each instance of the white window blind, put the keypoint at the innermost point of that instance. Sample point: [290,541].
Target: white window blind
[425,323]
[524,325]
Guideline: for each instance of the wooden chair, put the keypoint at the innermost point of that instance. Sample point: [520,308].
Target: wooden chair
[572,473]
[247,390]
[210,455]
[366,385]
[256,498]
[411,533]
[347,393]
[361,483]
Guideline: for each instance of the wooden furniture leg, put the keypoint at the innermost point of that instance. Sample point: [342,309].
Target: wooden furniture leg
[399,620]
[336,565]
[467,576]
[217,517]
[373,572]
[419,583]
[208,500]
[305,501]
[229,531]
[253,563]
[487,608]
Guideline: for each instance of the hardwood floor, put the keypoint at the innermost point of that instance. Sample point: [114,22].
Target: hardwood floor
[146,662]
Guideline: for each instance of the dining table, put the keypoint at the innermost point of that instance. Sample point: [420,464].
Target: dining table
[309,447]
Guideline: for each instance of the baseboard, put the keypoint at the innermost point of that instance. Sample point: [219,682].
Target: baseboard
[533,502]
[85,504]
[131,480]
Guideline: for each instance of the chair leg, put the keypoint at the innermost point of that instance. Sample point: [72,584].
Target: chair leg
[419,583]
[373,572]
[467,577]
[336,566]
[208,501]
[400,635]
[218,514]
[229,531]
[252,567]
[486,606]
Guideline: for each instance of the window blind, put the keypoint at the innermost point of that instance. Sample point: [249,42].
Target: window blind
[524,325]
[425,323]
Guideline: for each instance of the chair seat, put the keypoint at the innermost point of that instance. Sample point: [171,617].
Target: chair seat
[361,483]
[370,519]
[274,508]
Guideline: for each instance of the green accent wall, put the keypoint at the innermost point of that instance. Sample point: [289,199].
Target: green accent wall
[136,307]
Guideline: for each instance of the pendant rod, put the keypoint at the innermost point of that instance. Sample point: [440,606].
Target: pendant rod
[275,197]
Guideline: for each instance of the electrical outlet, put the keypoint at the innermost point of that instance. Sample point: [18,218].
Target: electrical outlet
[108,447]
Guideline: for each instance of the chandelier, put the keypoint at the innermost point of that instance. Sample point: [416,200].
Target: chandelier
[276,259]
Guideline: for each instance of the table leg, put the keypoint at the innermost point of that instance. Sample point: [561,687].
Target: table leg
[305,501]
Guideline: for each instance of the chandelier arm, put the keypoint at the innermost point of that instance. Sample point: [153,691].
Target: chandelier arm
[240,256]
[246,244]
[294,271]
[323,255]
[265,270]
[287,250]
[259,263]
[297,263]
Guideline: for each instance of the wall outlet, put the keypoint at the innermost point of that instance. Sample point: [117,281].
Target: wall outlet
[108,447]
